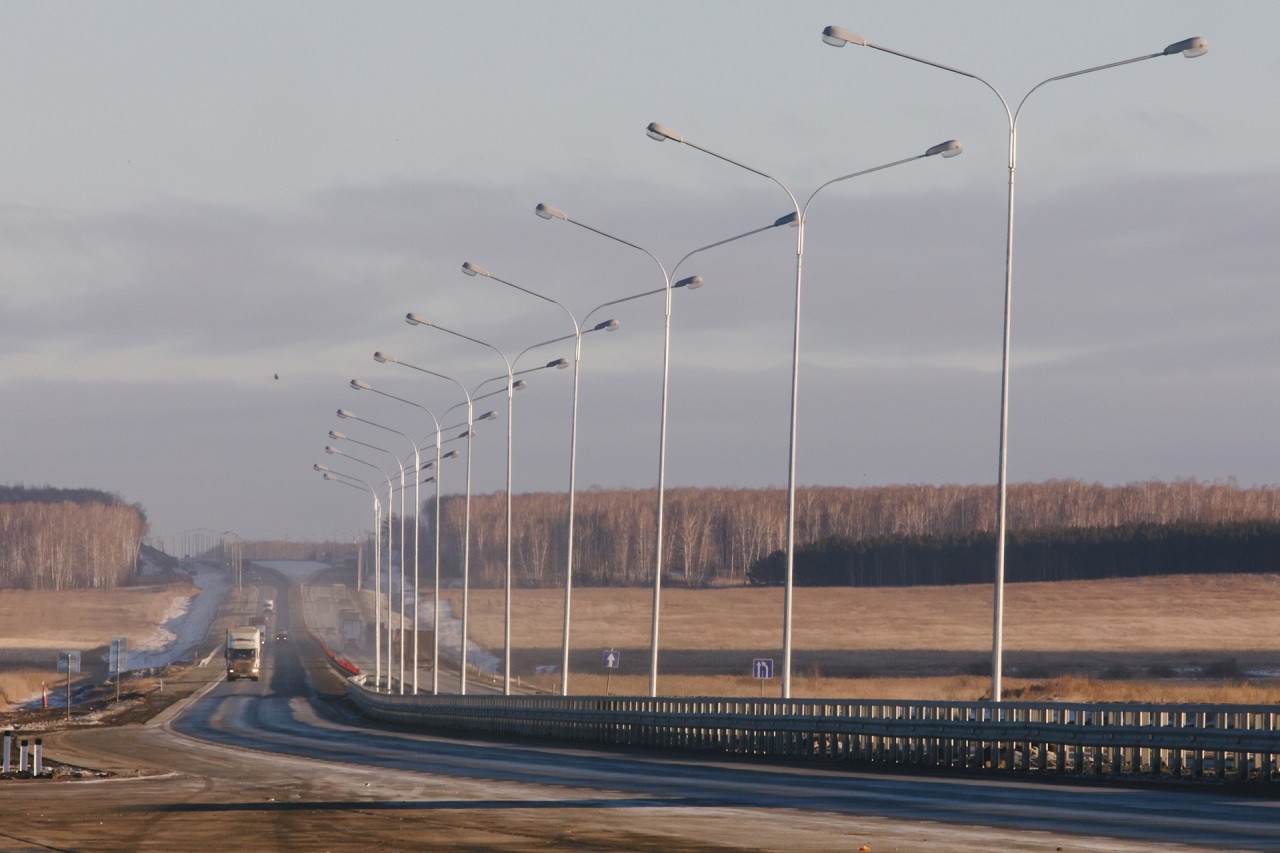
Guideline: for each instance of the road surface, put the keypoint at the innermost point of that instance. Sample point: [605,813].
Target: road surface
[283,764]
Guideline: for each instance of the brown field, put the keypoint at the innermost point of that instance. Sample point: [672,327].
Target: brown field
[1176,638]
[35,624]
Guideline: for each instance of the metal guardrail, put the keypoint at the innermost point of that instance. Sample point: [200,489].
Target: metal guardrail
[1190,742]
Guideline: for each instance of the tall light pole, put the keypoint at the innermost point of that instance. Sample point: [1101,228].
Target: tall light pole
[661,133]
[347,480]
[1190,48]
[690,283]
[417,463]
[377,580]
[384,358]
[474,270]
[360,385]
[546,211]
[415,320]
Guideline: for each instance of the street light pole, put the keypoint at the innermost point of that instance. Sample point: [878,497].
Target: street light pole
[415,320]
[377,580]
[1190,48]
[546,211]
[391,495]
[360,385]
[417,463]
[476,270]
[661,133]
[384,358]
[689,283]
[377,533]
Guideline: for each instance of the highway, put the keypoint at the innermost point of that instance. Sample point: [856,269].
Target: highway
[286,764]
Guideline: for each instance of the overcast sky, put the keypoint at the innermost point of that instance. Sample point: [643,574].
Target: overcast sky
[198,198]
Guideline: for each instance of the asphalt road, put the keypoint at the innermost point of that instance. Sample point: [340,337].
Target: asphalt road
[283,764]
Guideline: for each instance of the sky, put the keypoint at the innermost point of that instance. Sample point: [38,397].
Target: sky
[213,215]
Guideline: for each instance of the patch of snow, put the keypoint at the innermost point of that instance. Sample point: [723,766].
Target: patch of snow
[186,622]
[451,635]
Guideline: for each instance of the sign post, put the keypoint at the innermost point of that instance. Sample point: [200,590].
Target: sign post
[69,662]
[611,658]
[117,660]
[762,669]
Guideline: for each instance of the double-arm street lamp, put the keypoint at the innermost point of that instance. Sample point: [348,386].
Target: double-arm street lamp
[949,148]
[417,463]
[360,385]
[609,325]
[377,580]
[1190,48]
[384,358]
[415,320]
[689,283]
[348,480]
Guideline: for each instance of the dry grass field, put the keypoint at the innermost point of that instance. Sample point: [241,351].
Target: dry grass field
[1175,638]
[35,624]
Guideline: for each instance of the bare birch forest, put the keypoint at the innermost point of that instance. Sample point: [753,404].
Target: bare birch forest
[67,539]
[714,535]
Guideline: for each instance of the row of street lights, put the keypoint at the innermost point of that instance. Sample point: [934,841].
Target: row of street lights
[832,35]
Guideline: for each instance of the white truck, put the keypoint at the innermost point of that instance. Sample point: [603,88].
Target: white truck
[244,653]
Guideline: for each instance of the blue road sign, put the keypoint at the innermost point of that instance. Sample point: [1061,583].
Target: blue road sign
[762,668]
[612,659]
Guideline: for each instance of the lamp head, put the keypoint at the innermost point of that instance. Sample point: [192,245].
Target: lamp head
[337,436]
[452,454]
[329,476]
[792,219]
[414,320]
[317,466]
[693,282]
[343,413]
[606,326]
[519,385]
[839,37]
[546,211]
[950,148]
[474,269]
[1190,48]
[331,450]
[487,416]
[559,363]
[662,133]
[383,358]
[360,385]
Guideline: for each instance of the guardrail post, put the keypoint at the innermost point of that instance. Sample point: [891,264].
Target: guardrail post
[37,764]
[22,757]
[6,762]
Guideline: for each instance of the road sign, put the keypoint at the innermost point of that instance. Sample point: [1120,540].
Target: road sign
[611,659]
[118,655]
[69,660]
[762,668]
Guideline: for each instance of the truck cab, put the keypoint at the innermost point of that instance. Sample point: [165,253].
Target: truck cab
[244,653]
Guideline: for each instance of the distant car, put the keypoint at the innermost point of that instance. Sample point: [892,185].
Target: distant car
[282,635]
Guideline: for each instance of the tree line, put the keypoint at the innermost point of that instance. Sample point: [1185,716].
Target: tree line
[67,538]
[721,535]
[1059,554]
